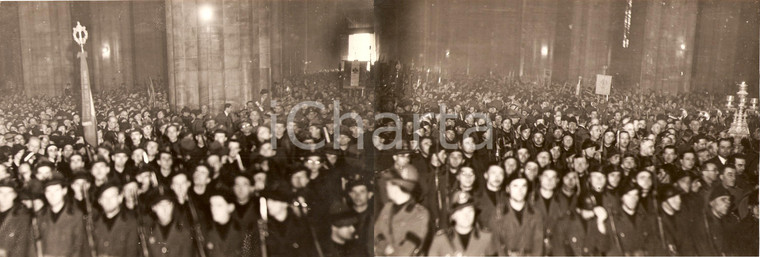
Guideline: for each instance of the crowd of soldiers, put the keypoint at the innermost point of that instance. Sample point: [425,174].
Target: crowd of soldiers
[561,173]
[190,182]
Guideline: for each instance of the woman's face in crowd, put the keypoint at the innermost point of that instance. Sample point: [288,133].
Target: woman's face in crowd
[466,176]
[609,137]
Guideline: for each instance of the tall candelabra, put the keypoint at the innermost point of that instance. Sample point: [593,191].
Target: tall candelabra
[739,128]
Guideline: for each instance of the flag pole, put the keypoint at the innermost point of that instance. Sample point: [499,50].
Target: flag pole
[88,107]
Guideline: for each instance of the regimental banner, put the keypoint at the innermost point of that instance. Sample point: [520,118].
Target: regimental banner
[89,122]
[355,73]
[603,84]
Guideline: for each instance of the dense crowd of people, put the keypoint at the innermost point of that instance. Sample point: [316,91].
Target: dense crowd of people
[560,174]
[189,182]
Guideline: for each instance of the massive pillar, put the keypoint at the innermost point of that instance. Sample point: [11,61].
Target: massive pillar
[111,39]
[149,42]
[668,45]
[11,77]
[537,38]
[591,39]
[218,51]
[47,47]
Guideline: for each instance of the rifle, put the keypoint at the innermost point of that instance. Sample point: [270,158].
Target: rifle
[141,228]
[659,220]
[312,232]
[88,228]
[615,236]
[36,234]
[199,239]
[263,232]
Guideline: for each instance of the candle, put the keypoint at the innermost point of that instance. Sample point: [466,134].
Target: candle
[729,99]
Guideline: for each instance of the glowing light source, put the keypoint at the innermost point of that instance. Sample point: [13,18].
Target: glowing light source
[683,46]
[106,51]
[361,47]
[544,50]
[206,12]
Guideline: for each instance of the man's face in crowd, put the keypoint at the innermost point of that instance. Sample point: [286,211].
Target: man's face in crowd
[669,155]
[548,180]
[694,126]
[631,199]
[166,161]
[180,185]
[120,159]
[242,189]
[100,170]
[7,198]
[580,165]
[518,189]
[151,148]
[300,179]
[401,159]
[110,200]
[220,209]
[136,137]
[494,176]
[44,173]
[18,140]
[740,164]
[456,159]
[721,205]
[724,148]
[523,155]
[55,194]
[596,132]
[113,123]
[359,195]
[172,132]
[598,181]
[703,156]
[468,145]
[314,163]
[710,172]
[688,161]
[728,177]
[201,176]
[221,138]
[646,148]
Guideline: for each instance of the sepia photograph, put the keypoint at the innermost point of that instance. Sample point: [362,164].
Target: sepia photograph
[361,128]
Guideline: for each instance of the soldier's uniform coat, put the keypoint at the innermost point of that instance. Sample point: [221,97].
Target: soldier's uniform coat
[487,209]
[404,232]
[15,233]
[447,243]
[235,242]
[291,237]
[65,236]
[551,216]
[178,240]
[119,240]
[634,238]
[526,237]
[571,238]
[709,234]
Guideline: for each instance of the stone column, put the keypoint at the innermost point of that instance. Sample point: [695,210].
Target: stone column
[668,45]
[111,39]
[218,57]
[47,47]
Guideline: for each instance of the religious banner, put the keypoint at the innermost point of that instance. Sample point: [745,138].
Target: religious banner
[88,106]
[603,84]
[355,71]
